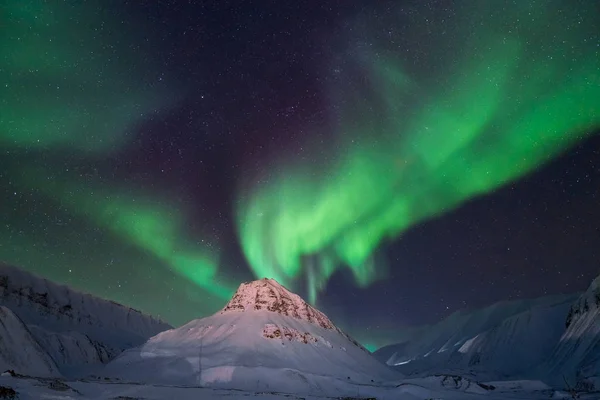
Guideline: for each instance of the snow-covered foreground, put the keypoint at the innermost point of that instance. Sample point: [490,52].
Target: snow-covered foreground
[446,388]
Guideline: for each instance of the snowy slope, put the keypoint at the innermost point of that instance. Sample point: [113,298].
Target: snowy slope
[59,308]
[505,339]
[74,328]
[265,338]
[518,344]
[553,339]
[20,351]
[577,354]
[71,349]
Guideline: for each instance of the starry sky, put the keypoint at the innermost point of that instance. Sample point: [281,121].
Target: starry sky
[392,162]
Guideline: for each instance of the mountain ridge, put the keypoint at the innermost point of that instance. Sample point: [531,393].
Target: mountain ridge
[552,338]
[72,327]
[271,295]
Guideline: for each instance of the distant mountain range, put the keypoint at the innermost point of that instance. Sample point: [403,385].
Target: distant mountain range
[269,339]
[554,339]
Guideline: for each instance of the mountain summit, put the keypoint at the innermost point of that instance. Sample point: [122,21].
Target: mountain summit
[267,294]
[266,338]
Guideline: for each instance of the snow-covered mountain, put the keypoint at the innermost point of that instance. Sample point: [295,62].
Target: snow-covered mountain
[576,357]
[552,339]
[265,338]
[72,349]
[481,340]
[20,350]
[478,338]
[517,345]
[73,328]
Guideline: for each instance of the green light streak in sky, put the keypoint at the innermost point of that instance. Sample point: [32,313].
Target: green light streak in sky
[526,89]
[148,224]
[72,76]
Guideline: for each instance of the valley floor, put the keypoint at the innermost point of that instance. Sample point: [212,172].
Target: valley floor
[432,388]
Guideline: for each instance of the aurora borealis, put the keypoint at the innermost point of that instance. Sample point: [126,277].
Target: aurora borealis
[414,157]
[150,225]
[489,120]
[77,72]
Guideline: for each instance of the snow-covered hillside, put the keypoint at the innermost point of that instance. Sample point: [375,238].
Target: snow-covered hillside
[73,349]
[505,339]
[72,327]
[59,308]
[265,338]
[517,345]
[577,354]
[554,339]
[19,350]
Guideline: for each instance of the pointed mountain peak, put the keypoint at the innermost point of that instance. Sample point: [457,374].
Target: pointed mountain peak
[268,295]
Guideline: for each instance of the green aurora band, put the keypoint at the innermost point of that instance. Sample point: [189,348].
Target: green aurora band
[77,78]
[71,76]
[524,89]
[151,225]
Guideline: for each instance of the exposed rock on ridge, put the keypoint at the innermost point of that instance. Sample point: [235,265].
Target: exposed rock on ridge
[268,294]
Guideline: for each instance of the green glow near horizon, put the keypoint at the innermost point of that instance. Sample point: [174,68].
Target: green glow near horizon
[526,90]
[369,346]
[73,77]
[149,224]
[76,81]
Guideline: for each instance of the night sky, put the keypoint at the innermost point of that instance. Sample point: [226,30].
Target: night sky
[391,161]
